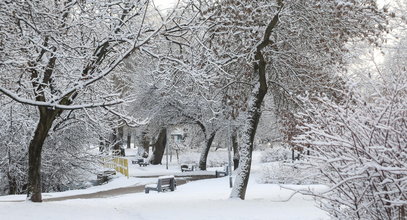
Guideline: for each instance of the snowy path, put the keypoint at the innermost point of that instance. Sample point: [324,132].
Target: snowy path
[122,190]
[104,193]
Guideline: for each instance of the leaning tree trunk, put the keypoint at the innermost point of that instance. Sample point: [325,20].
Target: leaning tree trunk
[236,154]
[254,113]
[205,152]
[34,189]
[246,149]
[159,147]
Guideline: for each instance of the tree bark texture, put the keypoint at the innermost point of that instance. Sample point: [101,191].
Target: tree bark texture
[205,152]
[34,189]
[159,147]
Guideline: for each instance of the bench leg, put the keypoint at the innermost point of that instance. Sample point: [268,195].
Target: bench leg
[146,191]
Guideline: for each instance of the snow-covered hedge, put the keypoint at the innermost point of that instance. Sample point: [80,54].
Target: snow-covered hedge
[275,154]
[215,158]
[286,173]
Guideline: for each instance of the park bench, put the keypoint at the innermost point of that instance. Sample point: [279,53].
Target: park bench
[164,183]
[222,173]
[187,168]
[105,175]
[140,162]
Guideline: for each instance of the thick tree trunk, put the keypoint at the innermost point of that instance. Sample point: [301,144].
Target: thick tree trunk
[34,189]
[236,155]
[205,152]
[159,147]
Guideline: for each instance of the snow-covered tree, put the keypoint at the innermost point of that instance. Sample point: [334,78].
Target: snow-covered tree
[286,47]
[359,145]
[57,55]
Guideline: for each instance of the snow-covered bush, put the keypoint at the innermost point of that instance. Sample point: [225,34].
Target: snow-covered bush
[215,158]
[189,158]
[286,173]
[67,162]
[360,149]
[275,154]
[17,127]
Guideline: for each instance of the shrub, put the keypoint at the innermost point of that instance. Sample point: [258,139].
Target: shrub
[275,154]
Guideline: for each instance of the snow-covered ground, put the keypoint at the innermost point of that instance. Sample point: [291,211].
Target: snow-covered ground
[203,199]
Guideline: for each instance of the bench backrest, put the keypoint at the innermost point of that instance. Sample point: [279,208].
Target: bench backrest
[165,181]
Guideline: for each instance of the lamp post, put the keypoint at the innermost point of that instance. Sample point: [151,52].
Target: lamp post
[166,152]
[230,156]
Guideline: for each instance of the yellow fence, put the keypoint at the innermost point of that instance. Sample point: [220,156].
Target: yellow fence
[121,165]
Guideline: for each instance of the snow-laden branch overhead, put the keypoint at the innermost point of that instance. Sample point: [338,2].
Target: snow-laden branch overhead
[25,101]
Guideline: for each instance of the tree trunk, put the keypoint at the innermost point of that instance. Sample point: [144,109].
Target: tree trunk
[254,112]
[145,143]
[113,143]
[246,149]
[101,145]
[34,189]
[121,141]
[236,154]
[12,184]
[205,152]
[159,147]
[128,139]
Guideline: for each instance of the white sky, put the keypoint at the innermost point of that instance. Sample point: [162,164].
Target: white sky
[164,4]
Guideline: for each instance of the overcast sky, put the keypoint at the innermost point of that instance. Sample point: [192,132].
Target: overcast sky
[164,4]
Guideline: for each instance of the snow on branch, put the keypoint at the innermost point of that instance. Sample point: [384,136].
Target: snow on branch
[21,100]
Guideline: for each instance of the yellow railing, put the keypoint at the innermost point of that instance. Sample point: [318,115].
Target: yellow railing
[121,165]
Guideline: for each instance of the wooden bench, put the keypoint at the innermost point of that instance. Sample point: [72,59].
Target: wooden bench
[105,175]
[222,173]
[164,183]
[143,164]
[140,162]
[187,168]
